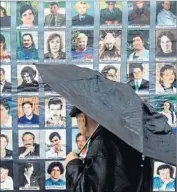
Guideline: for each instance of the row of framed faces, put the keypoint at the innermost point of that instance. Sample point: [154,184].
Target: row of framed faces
[30,112]
[82,13]
[30,175]
[28,78]
[82,46]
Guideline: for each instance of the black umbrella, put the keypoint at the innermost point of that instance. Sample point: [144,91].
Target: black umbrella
[116,107]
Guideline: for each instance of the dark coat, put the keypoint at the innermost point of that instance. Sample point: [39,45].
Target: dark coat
[89,20]
[28,87]
[34,153]
[103,168]
[7,87]
[144,85]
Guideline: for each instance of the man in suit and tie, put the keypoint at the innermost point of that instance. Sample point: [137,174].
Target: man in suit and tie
[136,78]
[5,85]
[82,18]
[54,19]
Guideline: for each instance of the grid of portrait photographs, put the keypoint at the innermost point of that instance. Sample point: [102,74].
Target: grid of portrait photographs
[134,42]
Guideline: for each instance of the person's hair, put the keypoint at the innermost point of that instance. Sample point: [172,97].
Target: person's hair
[29,70]
[26,7]
[54,134]
[5,136]
[106,68]
[28,133]
[53,36]
[55,101]
[78,135]
[3,40]
[165,166]
[2,69]
[4,166]
[81,3]
[137,65]
[170,36]
[27,102]
[54,3]
[4,10]
[81,36]
[26,34]
[55,164]
[138,34]
[5,103]
[108,2]
[163,69]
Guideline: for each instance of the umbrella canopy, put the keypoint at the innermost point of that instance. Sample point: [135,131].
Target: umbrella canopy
[116,107]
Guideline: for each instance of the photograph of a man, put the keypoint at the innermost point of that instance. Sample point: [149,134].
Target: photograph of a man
[111,14]
[6,181]
[165,178]
[29,175]
[136,39]
[30,148]
[27,76]
[29,117]
[6,87]
[55,18]
[5,115]
[27,49]
[136,80]
[81,17]
[57,148]
[55,113]
[82,46]
[55,171]
[166,15]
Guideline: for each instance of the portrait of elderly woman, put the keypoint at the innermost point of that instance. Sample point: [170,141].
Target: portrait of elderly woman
[167,80]
[55,47]
[4,54]
[26,15]
[4,18]
[81,51]
[110,45]
[29,84]
[166,45]
[4,152]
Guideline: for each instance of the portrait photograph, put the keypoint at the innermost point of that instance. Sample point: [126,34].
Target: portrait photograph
[5,80]
[138,77]
[166,78]
[166,13]
[139,13]
[110,71]
[82,45]
[27,14]
[138,45]
[110,45]
[82,13]
[5,17]
[27,46]
[55,175]
[29,175]
[110,13]
[55,144]
[164,177]
[167,105]
[29,144]
[6,144]
[28,111]
[54,14]
[6,176]
[55,112]
[78,143]
[6,112]
[54,46]
[166,46]
[5,52]
[27,79]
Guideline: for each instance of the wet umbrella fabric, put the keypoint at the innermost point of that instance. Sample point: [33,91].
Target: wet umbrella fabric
[116,107]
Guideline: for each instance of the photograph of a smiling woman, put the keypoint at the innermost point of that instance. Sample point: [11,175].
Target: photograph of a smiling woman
[166,44]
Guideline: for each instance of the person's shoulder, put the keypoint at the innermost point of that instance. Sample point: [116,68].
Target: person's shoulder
[89,16]
[48,16]
[35,115]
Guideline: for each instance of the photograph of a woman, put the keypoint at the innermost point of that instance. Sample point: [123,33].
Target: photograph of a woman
[55,47]
[4,54]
